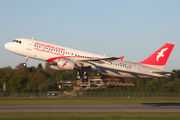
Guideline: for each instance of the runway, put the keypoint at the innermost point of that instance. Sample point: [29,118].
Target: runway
[128,108]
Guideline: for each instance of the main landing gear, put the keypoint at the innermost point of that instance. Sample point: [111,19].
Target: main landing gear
[81,75]
[24,64]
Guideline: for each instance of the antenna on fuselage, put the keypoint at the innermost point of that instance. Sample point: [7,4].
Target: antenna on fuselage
[32,38]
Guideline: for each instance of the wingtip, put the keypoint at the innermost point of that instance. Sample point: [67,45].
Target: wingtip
[121,58]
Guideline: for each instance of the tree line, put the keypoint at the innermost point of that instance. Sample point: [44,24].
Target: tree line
[169,84]
[39,79]
[32,79]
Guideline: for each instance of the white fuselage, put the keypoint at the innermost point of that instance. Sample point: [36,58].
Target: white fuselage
[51,53]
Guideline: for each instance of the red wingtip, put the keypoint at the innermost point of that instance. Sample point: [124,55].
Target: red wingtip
[121,58]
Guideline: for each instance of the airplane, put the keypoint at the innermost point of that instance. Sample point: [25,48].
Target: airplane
[64,58]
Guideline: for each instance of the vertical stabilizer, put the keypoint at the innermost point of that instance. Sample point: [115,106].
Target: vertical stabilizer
[159,58]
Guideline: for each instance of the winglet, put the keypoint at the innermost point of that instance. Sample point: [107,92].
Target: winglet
[121,58]
[160,57]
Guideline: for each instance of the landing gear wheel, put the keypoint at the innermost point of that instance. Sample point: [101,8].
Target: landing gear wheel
[85,76]
[24,64]
[78,76]
[81,75]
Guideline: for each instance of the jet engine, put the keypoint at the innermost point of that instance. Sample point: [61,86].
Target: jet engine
[53,66]
[65,64]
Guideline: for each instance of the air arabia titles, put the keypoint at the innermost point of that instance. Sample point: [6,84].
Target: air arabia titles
[48,48]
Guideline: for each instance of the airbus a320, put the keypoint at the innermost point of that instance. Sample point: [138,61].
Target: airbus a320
[64,58]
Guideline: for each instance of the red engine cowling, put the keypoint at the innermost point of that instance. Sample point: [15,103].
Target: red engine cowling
[65,64]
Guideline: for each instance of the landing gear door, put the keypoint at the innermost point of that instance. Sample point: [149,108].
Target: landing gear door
[29,45]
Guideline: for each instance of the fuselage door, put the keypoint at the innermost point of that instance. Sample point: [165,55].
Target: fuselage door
[29,45]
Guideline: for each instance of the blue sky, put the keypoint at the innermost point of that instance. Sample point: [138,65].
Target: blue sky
[134,29]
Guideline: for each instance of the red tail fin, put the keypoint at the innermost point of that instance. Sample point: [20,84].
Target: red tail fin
[160,57]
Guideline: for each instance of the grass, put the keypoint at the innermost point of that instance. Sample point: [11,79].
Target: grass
[80,116]
[85,101]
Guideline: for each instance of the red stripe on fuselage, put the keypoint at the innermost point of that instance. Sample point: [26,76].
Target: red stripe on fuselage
[55,58]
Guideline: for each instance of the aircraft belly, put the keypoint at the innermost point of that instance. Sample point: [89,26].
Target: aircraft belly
[118,74]
[115,71]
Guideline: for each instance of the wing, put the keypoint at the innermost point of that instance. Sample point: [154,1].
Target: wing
[101,60]
[92,62]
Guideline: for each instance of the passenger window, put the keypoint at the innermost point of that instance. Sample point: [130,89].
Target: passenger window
[19,42]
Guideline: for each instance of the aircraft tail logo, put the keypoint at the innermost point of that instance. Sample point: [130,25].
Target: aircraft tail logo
[160,54]
[159,58]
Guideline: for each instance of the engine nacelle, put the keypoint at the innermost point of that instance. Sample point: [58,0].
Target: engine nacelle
[66,64]
[53,66]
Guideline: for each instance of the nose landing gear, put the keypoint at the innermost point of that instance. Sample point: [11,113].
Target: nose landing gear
[24,64]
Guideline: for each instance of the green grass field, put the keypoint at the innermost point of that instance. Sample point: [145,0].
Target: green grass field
[85,101]
[66,116]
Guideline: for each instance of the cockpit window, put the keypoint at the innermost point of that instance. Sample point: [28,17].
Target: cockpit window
[18,41]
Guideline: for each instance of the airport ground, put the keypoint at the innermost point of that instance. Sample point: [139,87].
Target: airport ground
[4,101]
[90,116]
[90,108]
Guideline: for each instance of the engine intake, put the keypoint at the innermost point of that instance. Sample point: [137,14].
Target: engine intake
[53,66]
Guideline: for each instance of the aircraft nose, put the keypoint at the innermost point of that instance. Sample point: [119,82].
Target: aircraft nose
[8,46]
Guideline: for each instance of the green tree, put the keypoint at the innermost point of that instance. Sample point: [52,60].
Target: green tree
[40,66]
[35,80]
[17,82]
